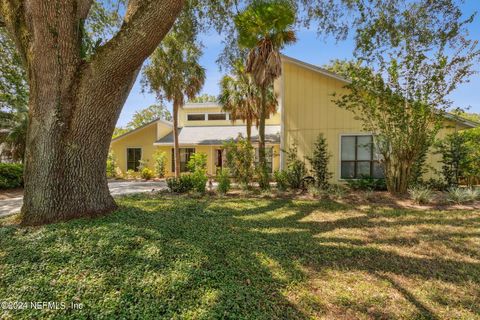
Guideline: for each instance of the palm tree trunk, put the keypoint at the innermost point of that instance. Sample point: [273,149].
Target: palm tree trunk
[249,129]
[176,153]
[263,174]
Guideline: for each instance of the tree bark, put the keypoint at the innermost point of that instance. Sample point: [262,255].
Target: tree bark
[74,104]
[175,139]
[263,174]
[249,129]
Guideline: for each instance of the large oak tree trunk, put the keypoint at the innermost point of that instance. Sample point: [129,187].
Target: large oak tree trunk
[74,104]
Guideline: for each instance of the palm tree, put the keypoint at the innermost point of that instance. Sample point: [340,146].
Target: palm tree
[240,96]
[175,73]
[265,28]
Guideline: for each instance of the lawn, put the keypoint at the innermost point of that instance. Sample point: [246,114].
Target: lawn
[247,258]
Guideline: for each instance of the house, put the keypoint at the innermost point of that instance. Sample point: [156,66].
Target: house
[305,110]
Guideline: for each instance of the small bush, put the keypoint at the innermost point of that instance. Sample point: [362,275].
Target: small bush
[160,163]
[436,184]
[130,174]
[420,195]
[111,165]
[146,174]
[462,195]
[11,175]
[198,161]
[181,185]
[281,178]
[367,184]
[240,160]
[199,180]
[319,162]
[223,179]
[296,169]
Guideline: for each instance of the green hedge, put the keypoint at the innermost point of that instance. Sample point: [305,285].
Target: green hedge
[11,175]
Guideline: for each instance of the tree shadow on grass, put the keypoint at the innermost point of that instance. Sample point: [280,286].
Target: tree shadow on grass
[184,258]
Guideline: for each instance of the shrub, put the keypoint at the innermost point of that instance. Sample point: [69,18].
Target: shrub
[181,185]
[160,163]
[319,162]
[462,195]
[436,184]
[368,184]
[223,179]
[146,173]
[199,180]
[460,157]
[240,159]
[11,175]
[296,169]
[198,161]
[420,195]
[281,178]
[111,165]
[130,174]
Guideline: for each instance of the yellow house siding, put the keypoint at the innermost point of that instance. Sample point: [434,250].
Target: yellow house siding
[143,138]
[183,112]
[309,110]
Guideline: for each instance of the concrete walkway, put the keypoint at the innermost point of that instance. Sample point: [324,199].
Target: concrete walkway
[13,205]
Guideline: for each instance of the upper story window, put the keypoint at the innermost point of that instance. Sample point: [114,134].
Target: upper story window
[196,117]
[359,159]
[217,116]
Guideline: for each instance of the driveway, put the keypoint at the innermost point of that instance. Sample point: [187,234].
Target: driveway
[13,205]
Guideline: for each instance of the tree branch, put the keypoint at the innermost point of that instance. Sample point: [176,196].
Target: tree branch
[145,24]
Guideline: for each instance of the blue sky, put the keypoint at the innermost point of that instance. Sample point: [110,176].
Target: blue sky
[308,48]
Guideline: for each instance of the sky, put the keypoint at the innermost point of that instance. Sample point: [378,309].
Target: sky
[308,48]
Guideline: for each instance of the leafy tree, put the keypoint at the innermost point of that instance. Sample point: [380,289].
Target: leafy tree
[147,115]
[264,27]
[173,73]
[118,131]
[203,98]
[241,97]
[319,162]
[417,54]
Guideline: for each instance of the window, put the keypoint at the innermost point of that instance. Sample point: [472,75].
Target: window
[359,159]
[217,116]
[196,117]
[134,155]
[185,154]
[268,156]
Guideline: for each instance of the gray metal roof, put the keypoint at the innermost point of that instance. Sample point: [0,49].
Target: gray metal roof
[217,135]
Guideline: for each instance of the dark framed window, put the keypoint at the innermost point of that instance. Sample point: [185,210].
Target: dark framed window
[359,158]
[185,154]
[196,117]
[134,155]
[268,156]
[217,116]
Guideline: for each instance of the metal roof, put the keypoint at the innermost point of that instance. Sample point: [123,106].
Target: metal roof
[217,135]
